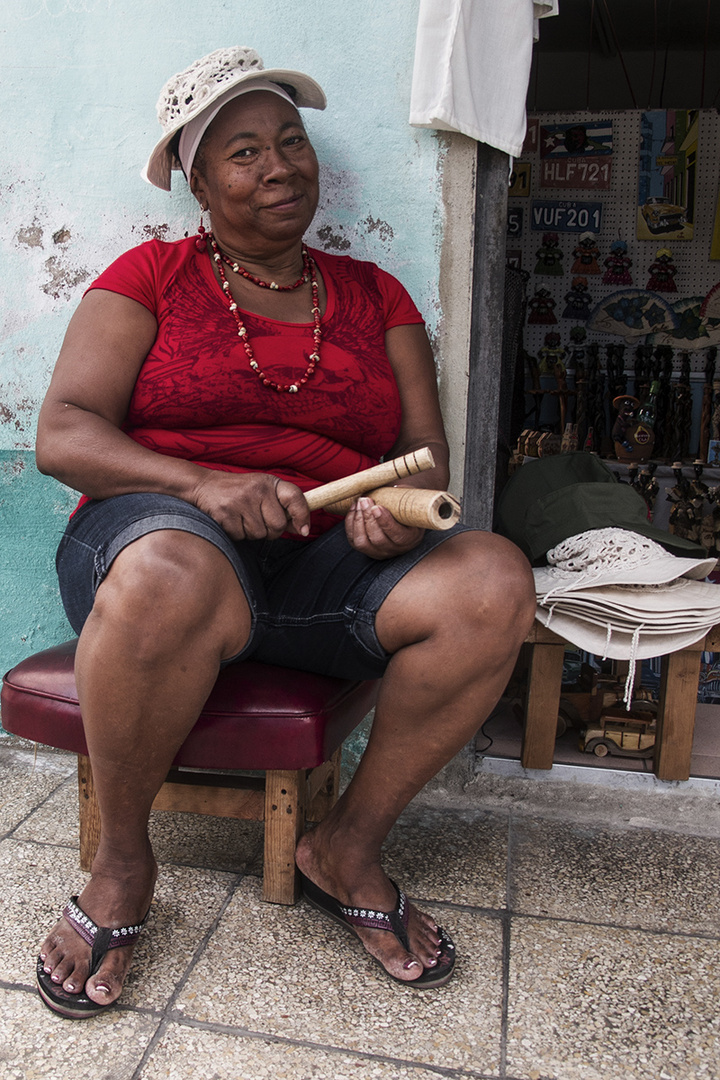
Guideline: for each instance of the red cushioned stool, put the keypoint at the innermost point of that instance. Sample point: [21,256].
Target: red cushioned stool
[291,724]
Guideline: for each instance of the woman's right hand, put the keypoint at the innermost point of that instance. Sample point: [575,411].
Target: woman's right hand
[252,506]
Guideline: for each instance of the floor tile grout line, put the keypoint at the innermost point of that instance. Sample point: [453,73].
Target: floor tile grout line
[24,988]
[167,1018]
[703,935]
[512,913]
[162,1026]
[37,806]
[180,984]
[506,944]
[248,1033]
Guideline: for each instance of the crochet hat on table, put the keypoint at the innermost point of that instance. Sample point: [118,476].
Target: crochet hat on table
[190,92]
[613,557]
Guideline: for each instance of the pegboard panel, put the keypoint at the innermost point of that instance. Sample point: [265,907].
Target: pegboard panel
[695,272]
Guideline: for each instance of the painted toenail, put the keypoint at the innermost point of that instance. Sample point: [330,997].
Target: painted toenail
[102,988]
[410,963]
[70,987]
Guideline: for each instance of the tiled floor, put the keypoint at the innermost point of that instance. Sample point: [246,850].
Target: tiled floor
[589,946]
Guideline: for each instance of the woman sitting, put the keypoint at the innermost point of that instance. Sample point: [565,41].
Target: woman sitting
[202,387]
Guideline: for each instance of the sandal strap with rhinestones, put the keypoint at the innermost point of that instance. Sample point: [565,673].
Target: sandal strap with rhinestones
[89,930]
[395,922]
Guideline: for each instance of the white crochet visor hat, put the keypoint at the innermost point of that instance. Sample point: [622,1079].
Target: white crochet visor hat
[190,93]
[606,557]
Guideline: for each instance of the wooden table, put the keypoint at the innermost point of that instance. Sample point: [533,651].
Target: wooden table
[679,674]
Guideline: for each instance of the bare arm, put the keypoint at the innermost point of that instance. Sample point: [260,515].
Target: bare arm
[80,441]
[372,529]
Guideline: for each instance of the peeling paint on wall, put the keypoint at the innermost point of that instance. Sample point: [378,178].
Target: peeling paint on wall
[382,228]
[30,235]
[331,239]
[156,232]
[62,279]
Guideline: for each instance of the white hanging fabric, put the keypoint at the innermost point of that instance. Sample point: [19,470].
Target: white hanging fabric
[472,67]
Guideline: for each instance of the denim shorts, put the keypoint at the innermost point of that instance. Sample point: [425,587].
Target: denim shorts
[313,603]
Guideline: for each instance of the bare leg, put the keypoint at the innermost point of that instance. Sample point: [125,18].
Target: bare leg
[170,609]
[454,624]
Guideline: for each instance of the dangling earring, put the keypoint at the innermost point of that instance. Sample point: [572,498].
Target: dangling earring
[200,243]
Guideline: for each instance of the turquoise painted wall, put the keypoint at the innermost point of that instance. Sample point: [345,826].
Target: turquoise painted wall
[80,80]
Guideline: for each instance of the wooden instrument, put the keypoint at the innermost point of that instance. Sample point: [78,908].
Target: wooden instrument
[418,507]
[421,507]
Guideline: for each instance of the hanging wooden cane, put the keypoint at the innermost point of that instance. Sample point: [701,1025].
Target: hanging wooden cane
[707,399]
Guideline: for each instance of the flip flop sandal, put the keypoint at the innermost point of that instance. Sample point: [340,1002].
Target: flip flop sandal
[101,939]
[395,922]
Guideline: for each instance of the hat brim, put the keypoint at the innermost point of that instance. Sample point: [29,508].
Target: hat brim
[683,604]
[660,571]
[592,637]
[160,164]
[581,507]
[582,493]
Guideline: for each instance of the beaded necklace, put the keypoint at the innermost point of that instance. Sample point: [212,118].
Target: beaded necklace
[242,272]
[308,271]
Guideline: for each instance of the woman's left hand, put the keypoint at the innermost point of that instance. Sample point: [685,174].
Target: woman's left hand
[373,530]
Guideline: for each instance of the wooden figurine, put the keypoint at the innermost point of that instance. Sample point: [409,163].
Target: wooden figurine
[684,520]
[632,434]
[577,300]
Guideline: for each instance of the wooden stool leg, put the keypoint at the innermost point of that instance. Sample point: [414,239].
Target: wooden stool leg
[89,813]
[679,674]
[285,797]
[321,802]
[542,704]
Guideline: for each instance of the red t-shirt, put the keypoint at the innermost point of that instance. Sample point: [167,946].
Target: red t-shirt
[197,398]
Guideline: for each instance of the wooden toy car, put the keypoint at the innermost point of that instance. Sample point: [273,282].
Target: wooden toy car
[627,734]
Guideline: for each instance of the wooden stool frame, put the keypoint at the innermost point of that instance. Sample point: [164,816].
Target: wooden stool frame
[283,799]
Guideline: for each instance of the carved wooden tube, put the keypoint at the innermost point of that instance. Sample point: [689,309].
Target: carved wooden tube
[350,487]
[420,507]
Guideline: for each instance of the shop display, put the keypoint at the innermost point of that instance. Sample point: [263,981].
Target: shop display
[623,310]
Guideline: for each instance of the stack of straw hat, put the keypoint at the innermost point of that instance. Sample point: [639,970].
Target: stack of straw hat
[611,583]
[617,594]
